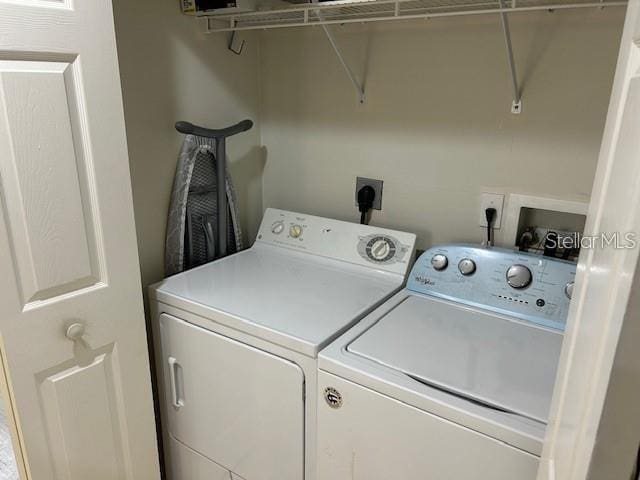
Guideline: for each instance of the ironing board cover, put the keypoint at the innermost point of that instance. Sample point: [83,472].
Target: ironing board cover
[193,210]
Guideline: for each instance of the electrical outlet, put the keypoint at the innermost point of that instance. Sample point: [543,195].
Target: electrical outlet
[376,185]
[491,200]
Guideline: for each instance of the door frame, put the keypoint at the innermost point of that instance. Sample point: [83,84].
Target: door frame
[604,278]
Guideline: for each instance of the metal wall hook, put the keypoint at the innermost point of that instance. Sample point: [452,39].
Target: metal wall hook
[235,49]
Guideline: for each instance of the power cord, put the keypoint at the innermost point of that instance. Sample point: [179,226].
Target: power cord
[366,196]
[490,214]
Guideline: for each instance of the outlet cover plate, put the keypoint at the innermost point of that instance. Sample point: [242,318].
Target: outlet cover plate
[491,200]
[377,186]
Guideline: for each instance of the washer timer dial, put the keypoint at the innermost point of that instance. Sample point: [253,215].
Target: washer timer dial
[519,276]
[381,249]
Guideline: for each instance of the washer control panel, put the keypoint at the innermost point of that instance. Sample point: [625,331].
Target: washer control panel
[531,287]
[374,247]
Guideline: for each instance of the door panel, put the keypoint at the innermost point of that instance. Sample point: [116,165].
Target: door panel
[53,246]
[68,251]
[234,404]
[75,395]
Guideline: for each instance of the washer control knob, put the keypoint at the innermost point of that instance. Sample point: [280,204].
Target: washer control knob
[295,231]
[467,266]
[277,227]
[439,261]
[568,290]
[519,276]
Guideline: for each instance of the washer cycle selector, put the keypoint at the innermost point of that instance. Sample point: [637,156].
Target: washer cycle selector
[439,261]
[519,276]
[381,249]
[295,231]
[277,227]
[466,266]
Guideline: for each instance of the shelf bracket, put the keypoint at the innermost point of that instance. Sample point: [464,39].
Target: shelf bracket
[233,45]
[357,85]
[516,105]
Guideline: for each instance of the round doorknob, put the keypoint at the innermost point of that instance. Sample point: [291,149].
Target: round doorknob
[75,331]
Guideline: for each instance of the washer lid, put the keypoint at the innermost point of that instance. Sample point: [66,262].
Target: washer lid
[486,358]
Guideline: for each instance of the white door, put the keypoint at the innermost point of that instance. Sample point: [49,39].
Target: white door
[603,281]
[68,248]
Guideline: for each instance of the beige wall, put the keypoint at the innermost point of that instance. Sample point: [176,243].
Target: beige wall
[436,125]
[171,72]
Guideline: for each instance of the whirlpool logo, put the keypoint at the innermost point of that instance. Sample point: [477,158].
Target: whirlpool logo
[424,280]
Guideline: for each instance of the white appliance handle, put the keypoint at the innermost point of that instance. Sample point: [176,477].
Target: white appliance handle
[176,401]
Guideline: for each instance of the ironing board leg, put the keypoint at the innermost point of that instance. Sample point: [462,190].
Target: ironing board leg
[221,170]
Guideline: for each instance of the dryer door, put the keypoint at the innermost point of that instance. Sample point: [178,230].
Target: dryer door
[240,407]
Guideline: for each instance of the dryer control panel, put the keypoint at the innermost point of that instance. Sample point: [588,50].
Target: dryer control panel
[531,287]
[380,248]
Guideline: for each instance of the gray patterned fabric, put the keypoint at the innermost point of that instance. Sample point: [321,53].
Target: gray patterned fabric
[193,213]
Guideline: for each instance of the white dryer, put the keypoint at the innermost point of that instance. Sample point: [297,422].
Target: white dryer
[452,377]
[237,342]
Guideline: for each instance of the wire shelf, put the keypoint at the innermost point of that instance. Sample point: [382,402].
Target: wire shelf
[362,11]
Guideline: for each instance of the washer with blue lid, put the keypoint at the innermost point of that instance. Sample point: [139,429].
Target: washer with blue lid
[462,362]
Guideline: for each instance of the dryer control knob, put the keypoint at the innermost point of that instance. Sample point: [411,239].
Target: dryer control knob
[439,261]
[467,266]
[277,227]
[519,276]
[295,231]
[568,290]
[380,249]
